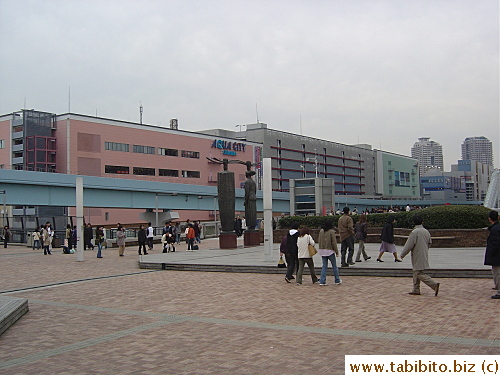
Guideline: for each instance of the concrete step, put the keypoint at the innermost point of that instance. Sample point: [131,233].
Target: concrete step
[350,271]
[11,309]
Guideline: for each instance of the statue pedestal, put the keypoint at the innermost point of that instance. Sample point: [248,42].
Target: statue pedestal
[251,238]
[228,241]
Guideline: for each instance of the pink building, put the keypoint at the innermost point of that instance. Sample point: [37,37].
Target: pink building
[92,146]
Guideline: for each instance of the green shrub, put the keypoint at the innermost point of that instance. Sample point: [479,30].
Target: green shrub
[437,217]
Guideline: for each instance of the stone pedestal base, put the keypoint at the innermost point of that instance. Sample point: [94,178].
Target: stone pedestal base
[228,241]
[251,238]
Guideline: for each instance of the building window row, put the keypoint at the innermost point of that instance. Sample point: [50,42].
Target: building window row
[141,171]
[116,169]
[190,154]
[168,151]
[2,143]
[191,174]
[113,146]
[138,149]
[168,172]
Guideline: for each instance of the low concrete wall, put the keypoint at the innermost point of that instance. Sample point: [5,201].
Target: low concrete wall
[440,237]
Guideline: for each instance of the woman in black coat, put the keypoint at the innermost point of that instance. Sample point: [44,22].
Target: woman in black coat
[387,236]
[141,238]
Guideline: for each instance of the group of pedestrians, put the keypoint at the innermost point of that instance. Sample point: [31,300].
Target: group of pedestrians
[42,238]
[240,225]
[295,247]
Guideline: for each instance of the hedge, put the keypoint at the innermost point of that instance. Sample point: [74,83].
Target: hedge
[437,217]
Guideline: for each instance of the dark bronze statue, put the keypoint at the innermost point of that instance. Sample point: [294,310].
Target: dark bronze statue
[226,195]
[250,200]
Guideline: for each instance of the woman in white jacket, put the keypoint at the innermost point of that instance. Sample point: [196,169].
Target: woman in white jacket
[303,241]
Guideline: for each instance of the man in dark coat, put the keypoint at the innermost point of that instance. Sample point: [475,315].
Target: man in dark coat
[293,251]
[492,255]
[88,235]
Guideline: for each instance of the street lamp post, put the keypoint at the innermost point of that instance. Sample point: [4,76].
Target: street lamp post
[4,207]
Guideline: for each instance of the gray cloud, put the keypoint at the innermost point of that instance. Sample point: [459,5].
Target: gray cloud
[378,72]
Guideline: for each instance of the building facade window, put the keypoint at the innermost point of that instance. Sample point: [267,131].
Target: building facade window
[138,149]
[168,151]
[116,169]
[191,174]
[190,154]
[168,172]
[113,146]
[140,171]
[2,143]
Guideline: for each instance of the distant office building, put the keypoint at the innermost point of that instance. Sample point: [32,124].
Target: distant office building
[467,180]
[356,170]
[429,155]
[478,149]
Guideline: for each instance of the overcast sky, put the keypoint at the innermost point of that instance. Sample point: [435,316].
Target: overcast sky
[378,72]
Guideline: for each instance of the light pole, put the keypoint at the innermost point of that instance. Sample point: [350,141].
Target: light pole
[315,159]
[4,207]
[156,199]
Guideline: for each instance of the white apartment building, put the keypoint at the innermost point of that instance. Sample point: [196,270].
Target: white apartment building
[429,155]
[479,149]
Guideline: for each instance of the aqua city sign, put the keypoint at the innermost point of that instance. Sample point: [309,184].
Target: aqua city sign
[227,147]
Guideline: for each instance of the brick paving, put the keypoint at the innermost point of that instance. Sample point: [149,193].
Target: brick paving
[118,319]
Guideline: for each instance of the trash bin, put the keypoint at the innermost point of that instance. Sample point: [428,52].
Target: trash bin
[29,240]
[56,242]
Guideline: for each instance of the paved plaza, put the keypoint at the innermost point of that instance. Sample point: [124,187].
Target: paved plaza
[108,316]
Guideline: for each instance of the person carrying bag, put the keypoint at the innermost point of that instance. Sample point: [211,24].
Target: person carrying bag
[304,242]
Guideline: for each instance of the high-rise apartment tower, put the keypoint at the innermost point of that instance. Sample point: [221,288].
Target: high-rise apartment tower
[429,155]
[478,149]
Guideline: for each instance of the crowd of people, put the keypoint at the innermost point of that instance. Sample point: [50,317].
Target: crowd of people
[43,237]
[298,246]
[295,247]
[380,210]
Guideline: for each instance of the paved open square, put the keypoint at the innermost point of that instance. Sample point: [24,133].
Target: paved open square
[108,316]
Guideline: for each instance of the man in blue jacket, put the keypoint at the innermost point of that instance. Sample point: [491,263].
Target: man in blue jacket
[492,255]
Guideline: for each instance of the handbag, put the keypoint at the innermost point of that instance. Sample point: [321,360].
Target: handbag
[312,250]
[281,263]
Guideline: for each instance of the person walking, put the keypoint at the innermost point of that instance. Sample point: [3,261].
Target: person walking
[88,236]
[303,243]
[236,227]
[361,232]
[328,249]
[177,232]
[284,250]
[99,240]
[7,235]
[346,233]
[150,236]
[74,237]
[197,231]
[36,238]
[291,244]
[142,238]
[492,254]
[68,239]
[120,240]
[387,245]
[190,237]
[46,238]
[418,244]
